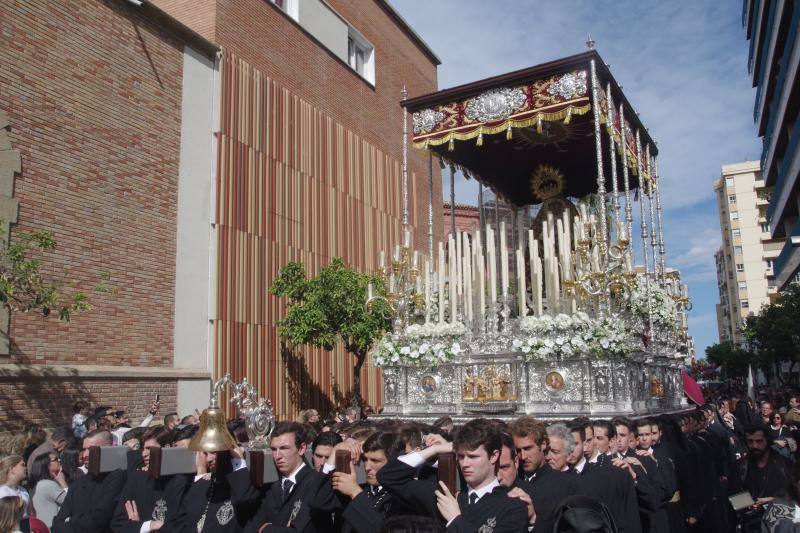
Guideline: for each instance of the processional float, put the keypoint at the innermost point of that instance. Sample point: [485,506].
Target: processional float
[543,308]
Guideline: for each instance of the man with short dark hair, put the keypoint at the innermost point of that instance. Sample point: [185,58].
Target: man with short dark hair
[56,443]
[322,448]
[91,500]
[792,417]
[301,499]
[171,421]
[484,505]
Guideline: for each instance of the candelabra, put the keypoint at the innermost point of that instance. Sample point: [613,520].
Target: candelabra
[602,274]
[401,280]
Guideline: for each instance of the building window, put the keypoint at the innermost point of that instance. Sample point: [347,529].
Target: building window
[734,215]
[731,198]
[729,182]
[745,304]
[290,7]
[736,232]
[765,227]
[739,267]
[742,284]
[361,55]
[737,250]
[768,262]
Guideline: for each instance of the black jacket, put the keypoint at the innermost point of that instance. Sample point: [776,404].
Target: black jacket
[90,504]
[156,499]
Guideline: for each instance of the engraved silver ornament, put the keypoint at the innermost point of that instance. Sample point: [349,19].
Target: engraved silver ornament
[495,104]
[569,85]
[426,120]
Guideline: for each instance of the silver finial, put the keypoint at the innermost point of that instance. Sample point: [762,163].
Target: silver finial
[590,42]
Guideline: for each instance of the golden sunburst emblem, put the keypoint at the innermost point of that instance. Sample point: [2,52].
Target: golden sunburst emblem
[547,182]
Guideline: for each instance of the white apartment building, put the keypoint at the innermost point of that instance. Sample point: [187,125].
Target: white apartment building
[745,259]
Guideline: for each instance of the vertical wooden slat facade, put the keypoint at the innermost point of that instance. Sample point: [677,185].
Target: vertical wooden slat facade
[292,185]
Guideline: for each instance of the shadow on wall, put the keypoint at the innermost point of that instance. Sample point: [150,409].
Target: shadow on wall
[37,394]
[304,392]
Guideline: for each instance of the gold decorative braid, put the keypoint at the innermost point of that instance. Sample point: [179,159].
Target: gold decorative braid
[506,125]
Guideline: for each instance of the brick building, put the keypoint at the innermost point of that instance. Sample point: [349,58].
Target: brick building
[190,153]
[466,218]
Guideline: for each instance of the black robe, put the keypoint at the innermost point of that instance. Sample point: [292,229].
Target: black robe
[495,512]
[616,489]
[673,467]
[366,512]
[90,504]
[215,506]
[156,499]
[548,489]
[309,508]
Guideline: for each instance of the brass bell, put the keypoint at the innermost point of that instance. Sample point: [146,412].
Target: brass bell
[213,435]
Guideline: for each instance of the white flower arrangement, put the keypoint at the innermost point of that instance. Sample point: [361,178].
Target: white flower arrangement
[661,306]
[573,335]
[422,344]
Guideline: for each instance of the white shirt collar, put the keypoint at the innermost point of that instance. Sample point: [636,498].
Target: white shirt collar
[595,455]
[484,490]
[293,476]
[580,465]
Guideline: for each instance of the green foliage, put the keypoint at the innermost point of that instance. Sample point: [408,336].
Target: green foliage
[774,334]
[23,288]
[330,308]
[730,358]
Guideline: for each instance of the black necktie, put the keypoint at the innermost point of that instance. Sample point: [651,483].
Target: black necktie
[473,498]
[287,488]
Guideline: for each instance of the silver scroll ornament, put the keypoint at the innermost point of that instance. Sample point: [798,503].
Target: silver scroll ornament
[426,120]
[569,85]
[495,104]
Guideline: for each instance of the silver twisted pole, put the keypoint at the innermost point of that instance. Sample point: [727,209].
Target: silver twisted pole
[430,213]
[651,210]
[404,96]
[661,249]
[626,181]
[644,233]
[598,146]
[612,155]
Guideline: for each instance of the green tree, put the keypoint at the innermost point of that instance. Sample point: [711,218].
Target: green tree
[732,359]
[23,287]
[774,334]
[330,308]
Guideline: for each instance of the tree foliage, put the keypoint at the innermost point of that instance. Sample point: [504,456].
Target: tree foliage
[732,359]
[774,334]
[23,287]
[329,309]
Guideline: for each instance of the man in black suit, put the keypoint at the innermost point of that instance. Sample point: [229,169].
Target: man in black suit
[366,506]
[302,499]
[604,483]
[548,487]
[483,506]
[508,476]
[91,500]
[147,503]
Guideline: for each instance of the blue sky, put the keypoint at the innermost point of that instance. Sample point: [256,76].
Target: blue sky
[683,65]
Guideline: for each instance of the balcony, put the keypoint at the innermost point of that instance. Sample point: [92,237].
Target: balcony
[788,262]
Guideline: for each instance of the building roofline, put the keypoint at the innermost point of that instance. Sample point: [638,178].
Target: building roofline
[408,30]
[173,26]
[460,206]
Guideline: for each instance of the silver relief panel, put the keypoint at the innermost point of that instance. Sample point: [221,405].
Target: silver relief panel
[569,86]
[494,105]
[425,120]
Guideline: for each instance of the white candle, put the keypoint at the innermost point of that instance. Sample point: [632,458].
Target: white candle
[396,256]
[503,259]
[382,260]
[490,245]
[451,245]
[459,266]
[467,267]
[370,291]
[415,260]
[523,306]
[407,239]
[441,282]
[428,273]
[479,274]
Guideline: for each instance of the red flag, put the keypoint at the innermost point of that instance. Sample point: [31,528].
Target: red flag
[692,389]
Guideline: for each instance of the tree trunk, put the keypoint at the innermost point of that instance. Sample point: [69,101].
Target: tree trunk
[361,356]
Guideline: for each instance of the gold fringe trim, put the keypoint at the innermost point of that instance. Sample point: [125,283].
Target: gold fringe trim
[503,126]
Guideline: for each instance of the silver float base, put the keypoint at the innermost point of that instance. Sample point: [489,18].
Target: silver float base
[506,386]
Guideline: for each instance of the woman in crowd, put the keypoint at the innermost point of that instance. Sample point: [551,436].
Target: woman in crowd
[70,464]
[10,514]
[34,437]
[12,474]
[49,487]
